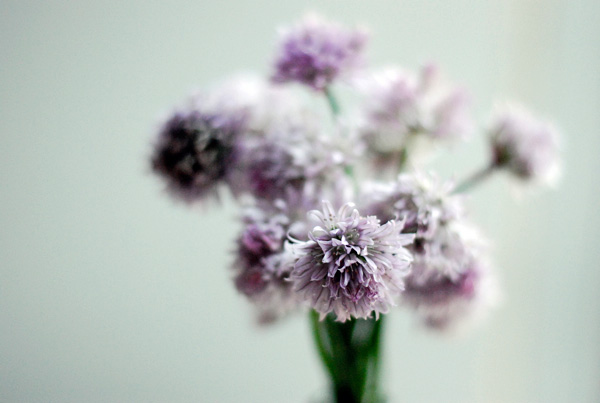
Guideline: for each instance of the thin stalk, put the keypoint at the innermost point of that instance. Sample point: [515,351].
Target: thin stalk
[333,103]
[408,144]
[475,179]
[323,343]
[402,159]
[335,111]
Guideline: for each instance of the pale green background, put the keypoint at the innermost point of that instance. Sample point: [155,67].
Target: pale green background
[109,292]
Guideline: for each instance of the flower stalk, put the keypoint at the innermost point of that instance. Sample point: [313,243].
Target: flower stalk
[475,179]
[350,353]
[332,101]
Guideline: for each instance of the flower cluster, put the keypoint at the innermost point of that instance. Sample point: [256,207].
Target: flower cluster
[320,228]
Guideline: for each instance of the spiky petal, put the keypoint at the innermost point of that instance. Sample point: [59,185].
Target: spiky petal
[351,265]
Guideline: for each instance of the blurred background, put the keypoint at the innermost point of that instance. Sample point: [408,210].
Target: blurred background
[110,292]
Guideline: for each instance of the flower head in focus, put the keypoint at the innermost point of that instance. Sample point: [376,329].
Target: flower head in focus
[195,151]
[351,265]
[315,52]
[524,145]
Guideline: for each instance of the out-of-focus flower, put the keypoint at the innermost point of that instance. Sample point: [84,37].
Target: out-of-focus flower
[294,163]
[443,241]
[264,105]
[444,108]
[525,146]
[391,111]
[351,265]
[263,263]
[315,52]
[445,303]
[195,151]
[418,198]
[401,105]
[447,274]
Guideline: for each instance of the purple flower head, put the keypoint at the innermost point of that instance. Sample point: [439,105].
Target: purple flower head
[444,303]
[292,162]
[195,152]
[315,52]
[263,263]
[448,250]
[270,171]
[351,265]
[524,145]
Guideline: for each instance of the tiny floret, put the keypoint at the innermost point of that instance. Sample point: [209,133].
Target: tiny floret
[351,265]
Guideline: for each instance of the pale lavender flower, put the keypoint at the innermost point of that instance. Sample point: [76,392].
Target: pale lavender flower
[351,265]
[391,112]
[401,105]
[315,52]
[447,251]
[445,303]
[420,199]
[447,270]
[444,108]
[524,145]
[263,263]
[195,152]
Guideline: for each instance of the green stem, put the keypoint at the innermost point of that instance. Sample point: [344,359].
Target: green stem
[350,353]
[408,144]
[374,364]
[333,103]
[323,343]
[474,179]
[335,111]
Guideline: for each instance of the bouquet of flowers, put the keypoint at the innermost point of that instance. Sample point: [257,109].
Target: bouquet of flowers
[340,218]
